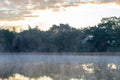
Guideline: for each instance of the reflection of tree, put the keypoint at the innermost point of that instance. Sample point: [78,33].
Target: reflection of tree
[64,71]
[103,72]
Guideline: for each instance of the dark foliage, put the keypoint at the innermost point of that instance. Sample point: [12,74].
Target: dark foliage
[104,37]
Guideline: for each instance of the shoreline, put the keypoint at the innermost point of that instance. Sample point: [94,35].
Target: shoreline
[64,53]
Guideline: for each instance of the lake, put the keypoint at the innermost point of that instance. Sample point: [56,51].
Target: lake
[61,67]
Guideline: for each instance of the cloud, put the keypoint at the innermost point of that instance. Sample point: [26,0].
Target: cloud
[19,9]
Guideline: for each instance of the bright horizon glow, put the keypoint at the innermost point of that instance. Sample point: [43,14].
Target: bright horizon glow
[80,16]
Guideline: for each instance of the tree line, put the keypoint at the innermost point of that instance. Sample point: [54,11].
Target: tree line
[103,37]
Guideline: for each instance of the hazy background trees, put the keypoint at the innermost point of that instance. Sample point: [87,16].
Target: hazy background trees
[103,37]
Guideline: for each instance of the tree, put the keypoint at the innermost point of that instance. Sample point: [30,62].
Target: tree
[6,40]
[103,35]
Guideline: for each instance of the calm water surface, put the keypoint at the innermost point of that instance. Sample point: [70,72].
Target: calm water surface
[62,67]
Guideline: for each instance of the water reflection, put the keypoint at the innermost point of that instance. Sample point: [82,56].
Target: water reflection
[54,67]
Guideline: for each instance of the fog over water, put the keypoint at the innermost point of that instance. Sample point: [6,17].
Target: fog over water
[60,67]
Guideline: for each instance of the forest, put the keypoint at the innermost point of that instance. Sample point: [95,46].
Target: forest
[103,37]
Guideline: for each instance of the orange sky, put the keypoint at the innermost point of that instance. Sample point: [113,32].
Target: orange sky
[45,13]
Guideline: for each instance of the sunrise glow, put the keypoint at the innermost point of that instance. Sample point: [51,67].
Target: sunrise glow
[75,14]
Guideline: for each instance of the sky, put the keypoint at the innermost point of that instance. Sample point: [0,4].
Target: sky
[45,13]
